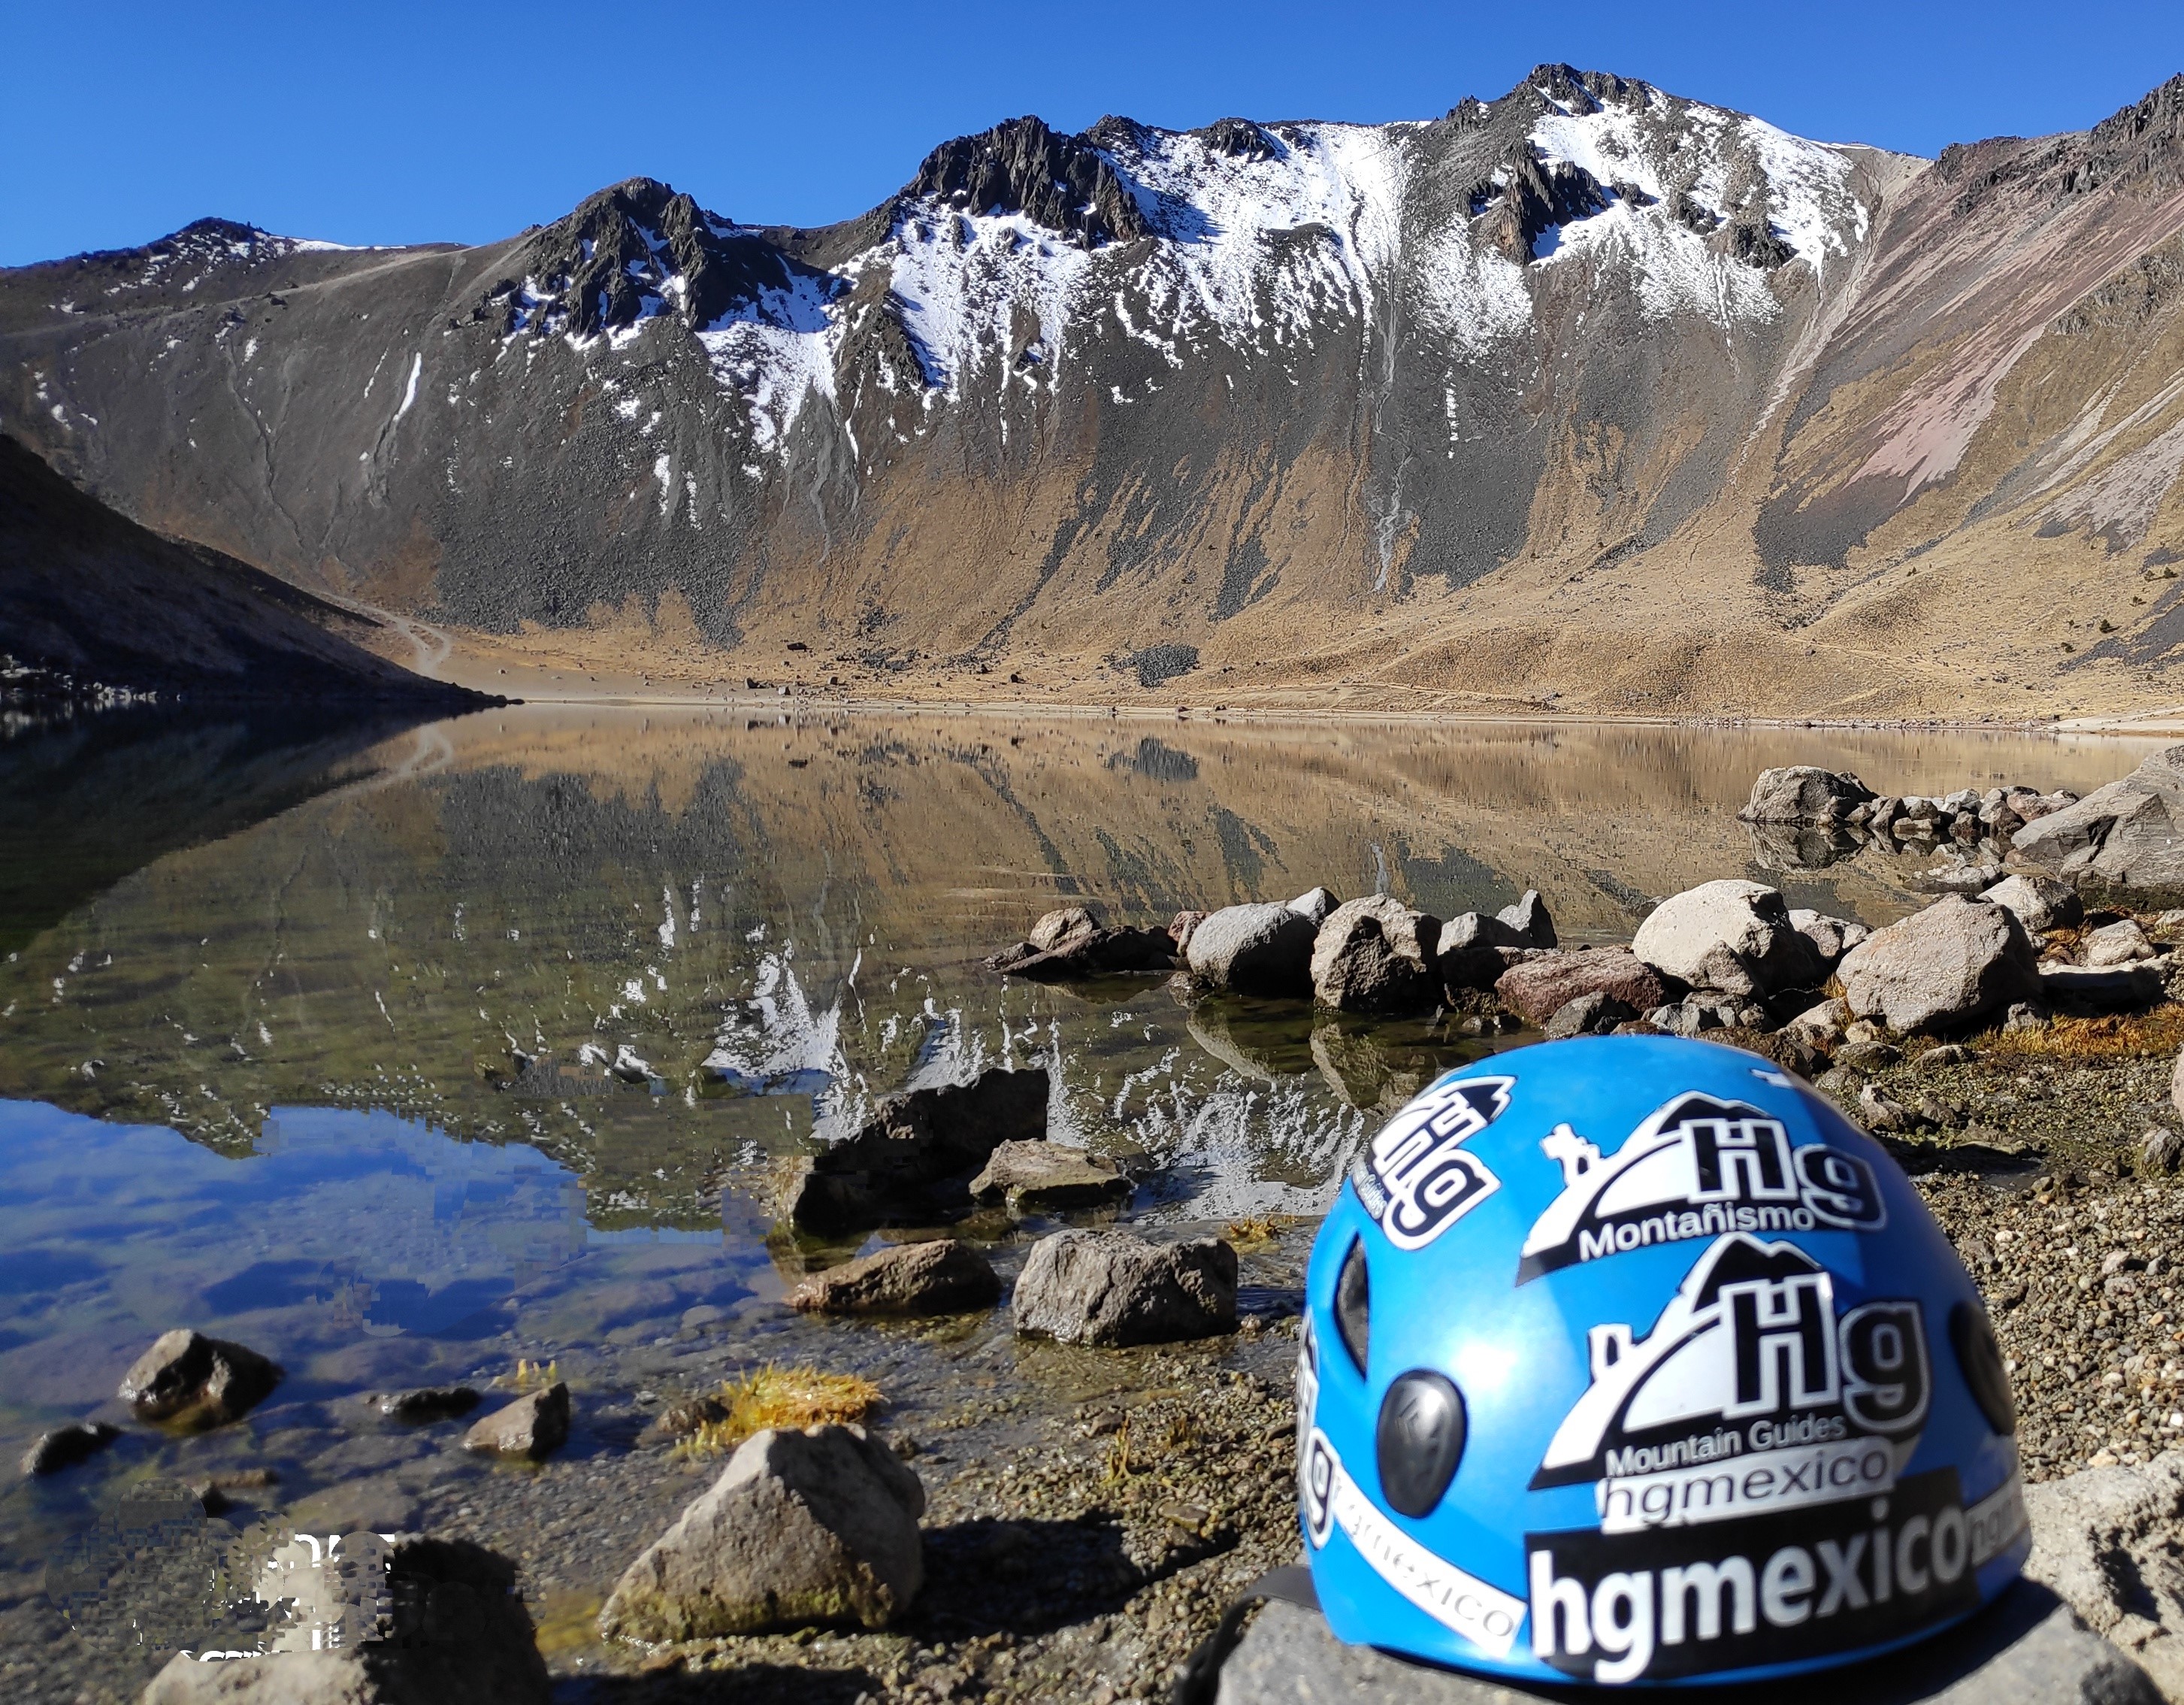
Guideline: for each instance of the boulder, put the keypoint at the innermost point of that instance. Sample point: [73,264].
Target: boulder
[1833,936]
[942,1277]
[1528,918]
[1377,955]
[2041,903]
[1064,924]
[1255,950]
[1951,965]
[532,1426]
[64,1447]
[2026,1649]
[192,1380]
[1819,1027]
[2160,1151]
[1541,986]
[1112,1287]
[2098,989]
[1470,930]
[2120,943]
[1069,944]
[2129,834]
[817,1527]
[1315,903]
[427,1403]
[458,1631]
[1588,1014]
[1800,793]
[909,1162]
[2105,1541]
[1048,1177]
[1733,936]
[1180,927]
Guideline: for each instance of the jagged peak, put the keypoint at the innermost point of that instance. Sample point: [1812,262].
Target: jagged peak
[1022,166]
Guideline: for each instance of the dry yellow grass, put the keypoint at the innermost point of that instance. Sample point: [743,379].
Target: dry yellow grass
[1255,1228]
[530,1376]
[2120,1036]
[772,1396]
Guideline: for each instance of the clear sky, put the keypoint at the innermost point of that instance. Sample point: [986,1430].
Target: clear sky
[406,122]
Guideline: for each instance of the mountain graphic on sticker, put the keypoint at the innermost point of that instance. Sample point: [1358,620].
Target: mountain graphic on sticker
[1697,1167]
[1748,1355]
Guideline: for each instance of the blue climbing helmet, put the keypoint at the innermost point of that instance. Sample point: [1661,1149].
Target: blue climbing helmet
[1629,1359]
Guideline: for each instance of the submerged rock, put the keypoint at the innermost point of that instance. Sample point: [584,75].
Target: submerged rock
[942,1277]
[802,1528]
[427,1403]
[1733,936]
[911,1159]
[1045,1177]
[532,1426]
[64,1447]
[1376,955]
[1800,793]
[1113,1287]
[1541,986]
[190,1379]
[1254,950]
[1956,962]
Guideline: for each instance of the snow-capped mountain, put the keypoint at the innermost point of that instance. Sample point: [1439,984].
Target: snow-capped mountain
[1474,378]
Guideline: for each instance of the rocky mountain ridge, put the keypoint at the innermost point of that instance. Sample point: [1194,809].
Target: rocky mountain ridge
[1589,396]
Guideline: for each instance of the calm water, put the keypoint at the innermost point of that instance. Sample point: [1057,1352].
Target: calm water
[250,980]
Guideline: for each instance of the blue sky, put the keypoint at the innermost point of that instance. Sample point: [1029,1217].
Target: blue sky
[402,121]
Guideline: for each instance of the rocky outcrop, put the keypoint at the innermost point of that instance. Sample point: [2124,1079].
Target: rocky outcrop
[1376,955]
[532,1428]
[1804,794]
[1952,965]
[802,1528]
[456,1630]
[1541,986]
[911,1160]
[1021,166]
[942,1277]
[1264,949]
[1733,936]
[2129,834]
[1047,1177]
[187,1379]
[1110,1289]
[64,1447]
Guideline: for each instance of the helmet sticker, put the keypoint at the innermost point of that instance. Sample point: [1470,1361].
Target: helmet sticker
[1750,1395]
[1697,1168]
[1416,1179]
[1484,1615]
[1767,1589]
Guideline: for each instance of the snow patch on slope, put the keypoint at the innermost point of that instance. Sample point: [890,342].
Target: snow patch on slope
[776,350]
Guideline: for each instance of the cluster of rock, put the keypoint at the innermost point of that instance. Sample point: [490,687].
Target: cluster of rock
[1800,794]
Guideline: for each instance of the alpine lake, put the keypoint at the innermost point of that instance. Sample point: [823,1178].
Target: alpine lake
[263,985]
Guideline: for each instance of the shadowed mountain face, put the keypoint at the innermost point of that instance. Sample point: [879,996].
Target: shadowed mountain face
[90,596]
[1590,390]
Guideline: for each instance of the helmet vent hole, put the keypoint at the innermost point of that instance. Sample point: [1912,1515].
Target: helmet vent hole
[1419,1440]
[1981,1358]
[1353,1304]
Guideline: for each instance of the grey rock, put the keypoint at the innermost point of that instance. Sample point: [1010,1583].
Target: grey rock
[2104,1540]
[2041,903]
[910,1160]
[1473,950]
[802,1528]
[1065,925]
[1541,984]
[64,1447]
[1868,1056]
[1181,926]
[190,1379]
[1377,954]
[1800,793]
[2025,1649]
[1045,1177]
[2130,833]
[1315,903]
[1587,1014]
[2120,943]
[1952,965]
[2161,1150]
[532,1426]
[1821,1025]
[1111,1288]
[1469,930]
[2176,1083]
[1072,954]
[426,1403]
[1732,936]
[459,1631]
[1262,949]
[1832,936]
[1528,918]
[940,1277]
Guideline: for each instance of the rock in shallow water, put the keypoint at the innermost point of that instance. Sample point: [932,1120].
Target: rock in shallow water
[1254,950]
[1047,1177]
[1541,986]
[1377,955]
[190,1379]
[427,1403]
[65,1446]
[1111,1288]
[1800,793]
[941,1276]
[532,1426]
[801,1528]
[1956,962]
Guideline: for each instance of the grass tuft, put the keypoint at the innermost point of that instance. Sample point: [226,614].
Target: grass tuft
[772,1396]
[2118,1036]
[1256,1229]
